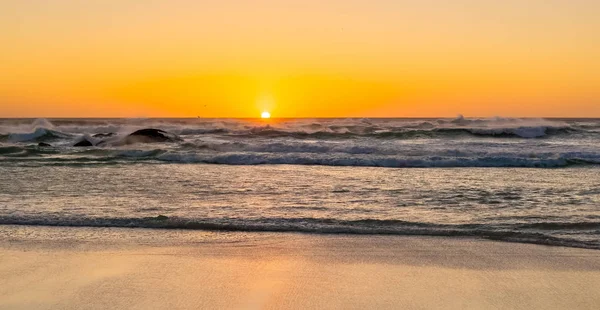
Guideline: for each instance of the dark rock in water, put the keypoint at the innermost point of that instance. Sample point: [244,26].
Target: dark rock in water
[151,135]
[104,135]
[83,143]
[44,144]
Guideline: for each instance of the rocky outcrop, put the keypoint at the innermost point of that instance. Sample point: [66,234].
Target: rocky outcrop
[151,135]
[83,143]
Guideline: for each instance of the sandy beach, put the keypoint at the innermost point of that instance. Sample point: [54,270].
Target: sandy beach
[58,268]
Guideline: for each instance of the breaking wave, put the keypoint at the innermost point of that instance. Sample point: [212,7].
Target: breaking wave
[459,142]
[377,161]
[302,128]
[38,135]
[301,154]
[539,233]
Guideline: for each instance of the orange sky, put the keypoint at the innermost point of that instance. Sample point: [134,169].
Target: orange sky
[351,58]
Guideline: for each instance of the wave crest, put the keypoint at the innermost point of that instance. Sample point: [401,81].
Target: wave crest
[307,129]
[322,226]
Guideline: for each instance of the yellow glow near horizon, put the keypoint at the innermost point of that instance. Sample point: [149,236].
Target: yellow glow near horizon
[265,114]
[380,58]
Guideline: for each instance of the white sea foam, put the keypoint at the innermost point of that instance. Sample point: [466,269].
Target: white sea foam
[525,128]
[459,142]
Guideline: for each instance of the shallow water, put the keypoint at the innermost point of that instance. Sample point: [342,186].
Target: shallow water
[544,206]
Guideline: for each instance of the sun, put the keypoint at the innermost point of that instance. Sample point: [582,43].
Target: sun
[265,114]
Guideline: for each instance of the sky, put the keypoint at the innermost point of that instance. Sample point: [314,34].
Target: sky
[309,58]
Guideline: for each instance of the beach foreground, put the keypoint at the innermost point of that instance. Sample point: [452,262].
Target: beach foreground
[68,268]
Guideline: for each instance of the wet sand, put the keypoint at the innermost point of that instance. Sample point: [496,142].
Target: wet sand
[291,271]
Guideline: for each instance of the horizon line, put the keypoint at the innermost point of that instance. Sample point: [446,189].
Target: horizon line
[304,117]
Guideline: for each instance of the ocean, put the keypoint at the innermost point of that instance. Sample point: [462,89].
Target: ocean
[506,179]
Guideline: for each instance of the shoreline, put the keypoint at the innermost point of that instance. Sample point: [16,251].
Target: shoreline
[224,228]
[97,268]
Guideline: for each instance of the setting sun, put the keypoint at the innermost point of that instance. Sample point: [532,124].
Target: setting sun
[454,144]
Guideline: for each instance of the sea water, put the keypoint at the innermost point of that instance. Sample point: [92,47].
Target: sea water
[522,180]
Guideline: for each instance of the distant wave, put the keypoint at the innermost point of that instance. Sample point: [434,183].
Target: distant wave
[304,129]
[295,155]
[31,155]
[459,142]
[38,135]
[519,132]
[504,232]
[376,161]
[44,134]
